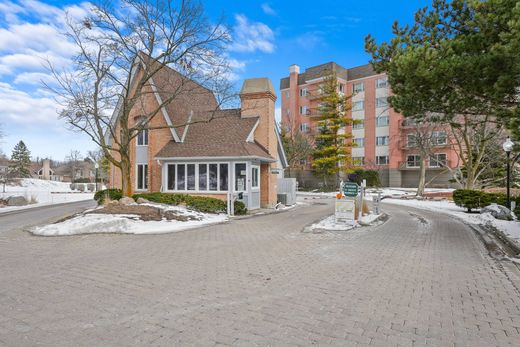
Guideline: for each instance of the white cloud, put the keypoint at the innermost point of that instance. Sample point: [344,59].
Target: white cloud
[19,107]
[268,9]
[310,40]
[251,36]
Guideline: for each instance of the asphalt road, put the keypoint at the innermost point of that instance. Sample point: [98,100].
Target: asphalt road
[420,279]
[23,219]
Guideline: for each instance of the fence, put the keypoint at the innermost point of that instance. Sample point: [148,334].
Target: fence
[287,191]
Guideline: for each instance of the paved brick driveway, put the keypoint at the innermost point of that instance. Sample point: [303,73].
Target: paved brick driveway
[417,280]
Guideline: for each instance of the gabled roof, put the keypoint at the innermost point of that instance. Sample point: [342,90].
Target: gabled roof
[222,133]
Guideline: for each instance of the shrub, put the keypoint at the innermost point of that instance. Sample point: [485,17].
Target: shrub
[72,186]
[470,199]
[81,187]
[162,198]
[197,203]
[240,208]
[112,194]
[90,187]
[371,176]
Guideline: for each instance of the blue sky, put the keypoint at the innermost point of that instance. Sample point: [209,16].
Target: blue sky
[268,36]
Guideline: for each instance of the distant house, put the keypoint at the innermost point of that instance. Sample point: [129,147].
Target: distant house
[220,151]
[83,170]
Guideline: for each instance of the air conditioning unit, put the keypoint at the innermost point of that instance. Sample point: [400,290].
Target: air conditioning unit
[282,198]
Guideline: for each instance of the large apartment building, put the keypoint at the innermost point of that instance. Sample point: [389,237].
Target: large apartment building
[384,140]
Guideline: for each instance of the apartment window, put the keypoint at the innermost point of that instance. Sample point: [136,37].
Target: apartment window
[411,140]
[304,128]
[383,121]
[142,137]
[255,176]
[439,138]
[304,92]
[303,109]
[142,176]
[358,87]
[381,102]
[358,106]
[382,140]
[382,160]
[409,122]
[360,142]
[358,124]
[240,177]
[381,83]
[287,111]
[438,160]
[359,161]
[341,88]
[413,161]
[287,94]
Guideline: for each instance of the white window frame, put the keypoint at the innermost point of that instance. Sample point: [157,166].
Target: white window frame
[382,82]
[361,139]
[385,142]
[235,177]
[411,143]
[380,118]
[358,161]
[384,104]
[386,162]
[417,161]
[304,127]
[145,177]
[362,103]
[197,187]
[435,155]
[304,92]
[304,110]
[356,90]
[435,138]
[140,138]
[360,124]
[257,187]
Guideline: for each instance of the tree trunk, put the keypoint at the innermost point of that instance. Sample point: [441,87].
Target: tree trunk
[422,177]
[470,178]
[126,181]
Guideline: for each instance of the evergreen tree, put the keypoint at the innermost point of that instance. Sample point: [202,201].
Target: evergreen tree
[333,152]
[20,163]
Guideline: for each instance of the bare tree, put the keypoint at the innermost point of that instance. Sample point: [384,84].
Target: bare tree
[73,160]
[298,148]
[122,48]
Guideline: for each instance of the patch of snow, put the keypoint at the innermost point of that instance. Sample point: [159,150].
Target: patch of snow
[510,228]
[329,223]
[43,192]
[128,224]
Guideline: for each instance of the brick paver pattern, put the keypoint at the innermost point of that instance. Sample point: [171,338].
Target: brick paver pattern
[419,279]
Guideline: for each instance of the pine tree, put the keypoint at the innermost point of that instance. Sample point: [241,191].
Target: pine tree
[20,163]
[333,152]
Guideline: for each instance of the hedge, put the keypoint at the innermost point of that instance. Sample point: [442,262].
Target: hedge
[112,193]
[473,199]
[371,176]
[197,203]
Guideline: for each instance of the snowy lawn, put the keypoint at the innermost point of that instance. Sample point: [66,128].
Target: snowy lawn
[93,222]
[43,192]
[510,228]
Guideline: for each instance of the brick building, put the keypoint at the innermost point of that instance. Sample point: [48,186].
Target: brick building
[202,149]
[384,140]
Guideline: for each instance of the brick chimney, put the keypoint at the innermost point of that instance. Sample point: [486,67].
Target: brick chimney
[257,98]
[46,169]
[294,71]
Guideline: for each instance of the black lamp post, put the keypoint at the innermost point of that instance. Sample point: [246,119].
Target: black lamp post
[96,165]
[508,147]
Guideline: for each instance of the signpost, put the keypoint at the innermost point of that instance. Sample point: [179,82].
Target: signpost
[345,210]
[350,189]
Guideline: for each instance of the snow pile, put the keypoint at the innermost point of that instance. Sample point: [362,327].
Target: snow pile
[128,224]
[510,228]
[43,192]
[330,223]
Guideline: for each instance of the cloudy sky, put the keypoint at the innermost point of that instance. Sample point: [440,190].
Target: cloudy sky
[267,38]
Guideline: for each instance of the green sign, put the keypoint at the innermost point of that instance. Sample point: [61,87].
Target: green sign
[350,189]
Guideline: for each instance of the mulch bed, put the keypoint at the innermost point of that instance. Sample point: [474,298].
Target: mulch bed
[145,213]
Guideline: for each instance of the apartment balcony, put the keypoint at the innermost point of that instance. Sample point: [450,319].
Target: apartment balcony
[403,165]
